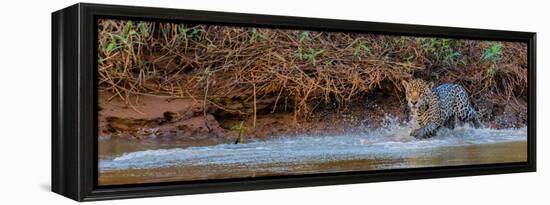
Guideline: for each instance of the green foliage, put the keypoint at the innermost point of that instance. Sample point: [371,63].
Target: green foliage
[143,29]
[128,27]
[182,31]
[492,53]
[311,56]
[254,34]
[443,51]
[197,33]
[361,49]
[299,52]
[305,55]
[451,57]
[112,45]
[194,33]
[328,63]
[304,36]
[123,39]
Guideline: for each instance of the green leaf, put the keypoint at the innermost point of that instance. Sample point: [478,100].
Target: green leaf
[182,29]
[129,25]
[196,33]
[111,47]
[121,39]
[143,29]
[492,53]
[328,63]
[304,36]
[253,35]
[359,48]
[300,53]
[366,49]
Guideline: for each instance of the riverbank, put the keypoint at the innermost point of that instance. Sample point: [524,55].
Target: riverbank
[194,123]
[191,122]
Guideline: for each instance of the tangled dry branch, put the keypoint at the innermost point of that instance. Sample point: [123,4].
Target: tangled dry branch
[243,71]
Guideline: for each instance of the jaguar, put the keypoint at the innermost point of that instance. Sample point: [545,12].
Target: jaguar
[434,108]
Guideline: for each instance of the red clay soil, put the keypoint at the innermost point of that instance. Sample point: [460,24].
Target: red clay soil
[156,117]
[178,118]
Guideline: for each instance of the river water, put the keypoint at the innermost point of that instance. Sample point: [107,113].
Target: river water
[385,148]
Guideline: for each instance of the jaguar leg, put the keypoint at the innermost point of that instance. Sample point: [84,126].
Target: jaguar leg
[450,123]
[473,118]
[425,132]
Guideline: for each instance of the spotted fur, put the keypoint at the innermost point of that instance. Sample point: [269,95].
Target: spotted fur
[433,108]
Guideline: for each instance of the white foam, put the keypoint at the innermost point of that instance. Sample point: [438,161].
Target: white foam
[390,142]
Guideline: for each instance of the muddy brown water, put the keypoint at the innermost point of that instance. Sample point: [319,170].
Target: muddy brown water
[123,162]
[463,155]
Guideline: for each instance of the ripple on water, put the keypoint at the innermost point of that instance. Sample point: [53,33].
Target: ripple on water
[392,142]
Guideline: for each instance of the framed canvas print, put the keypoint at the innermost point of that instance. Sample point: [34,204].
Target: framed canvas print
[155,101]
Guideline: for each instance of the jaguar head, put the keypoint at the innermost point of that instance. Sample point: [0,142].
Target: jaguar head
[416,92]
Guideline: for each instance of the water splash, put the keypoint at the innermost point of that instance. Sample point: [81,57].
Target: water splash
[392,141]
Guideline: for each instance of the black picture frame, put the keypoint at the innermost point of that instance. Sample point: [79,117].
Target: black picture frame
[74,102]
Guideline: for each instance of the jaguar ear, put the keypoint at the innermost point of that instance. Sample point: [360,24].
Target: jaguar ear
[405,84]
